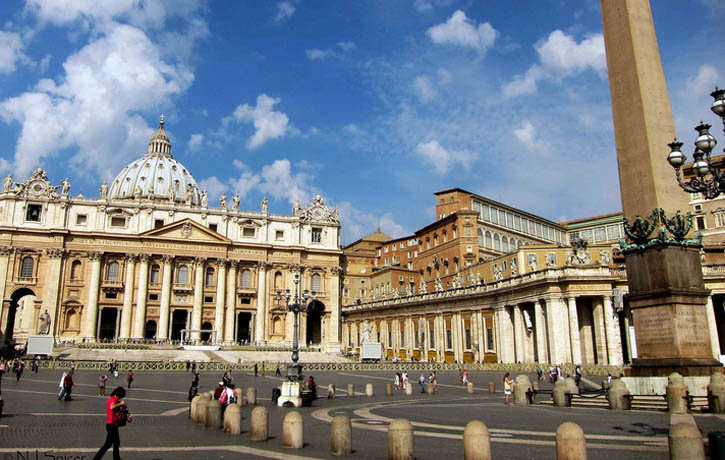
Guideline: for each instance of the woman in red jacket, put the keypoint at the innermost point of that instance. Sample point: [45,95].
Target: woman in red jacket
[112,438]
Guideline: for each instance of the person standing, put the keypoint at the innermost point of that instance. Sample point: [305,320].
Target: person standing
[256,369]
[507,384]
[102,384]
[464,378]
[278,372]
[227,377]
[129,378]
[19,371]
[36,365]
[421,381]
[114,403]
[578,375]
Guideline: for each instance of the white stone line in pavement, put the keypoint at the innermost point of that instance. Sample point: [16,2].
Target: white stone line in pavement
[96,386]
[94,396]
[173,412]
[390,380]
[86,414]
[236,449]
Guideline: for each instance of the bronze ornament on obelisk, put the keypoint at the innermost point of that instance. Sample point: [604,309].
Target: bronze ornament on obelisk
[667,295]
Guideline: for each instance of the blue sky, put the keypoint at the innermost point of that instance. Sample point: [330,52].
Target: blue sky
[374,105]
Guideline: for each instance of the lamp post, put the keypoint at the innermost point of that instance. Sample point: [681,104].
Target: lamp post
[709,180]
[295,303]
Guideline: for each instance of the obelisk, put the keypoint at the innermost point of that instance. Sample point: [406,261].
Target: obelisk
[667,294]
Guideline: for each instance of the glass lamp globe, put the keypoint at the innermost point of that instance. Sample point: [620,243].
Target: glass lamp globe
[700,167]
[676,158]
[718,106]
[705,141]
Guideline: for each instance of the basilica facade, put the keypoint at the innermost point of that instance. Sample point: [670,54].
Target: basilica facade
[150,259]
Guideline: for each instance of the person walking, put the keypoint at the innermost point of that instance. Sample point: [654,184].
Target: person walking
[256,369]
[421,381]
[507,384]
[464,378]
[278,372]
[36,365]
[129,378]
[102,384]
[397,381]
[116,416]
[578,375]
[67,386]
[19,370]
[434,380]
[227,378]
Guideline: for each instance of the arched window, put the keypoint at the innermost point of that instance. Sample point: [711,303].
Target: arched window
[496,242]
[480,237]
[489,241]
[182,275]
[112,271]
[75,270]
[247,279]
[316,282]
[209,279]
[505,244]
[521,243]
[26,267]
[278,281]
[155,270]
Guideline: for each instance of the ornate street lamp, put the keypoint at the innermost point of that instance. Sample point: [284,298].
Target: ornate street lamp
[708,179]
[295,303]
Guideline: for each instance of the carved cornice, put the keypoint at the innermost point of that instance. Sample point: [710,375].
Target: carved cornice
[130,257]
[95,255]
[55,253]
[297,268]
[6,250]
[144,258]
[167,259]
[200,260]
[263,265]
[222,262]
[337,270]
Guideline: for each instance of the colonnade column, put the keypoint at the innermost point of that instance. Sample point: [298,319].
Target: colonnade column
[165,297]
[231,301]
[518,338]
[5,252]
[540,325]
[143,284]
[128,296]
[480,336]
[498,322]
[219,311]
[333,328]
[259,332]
[575,341]
[600,335]
[91,315]
[712,327]
[555,355]
[614,342]
[198,297]
[52,286]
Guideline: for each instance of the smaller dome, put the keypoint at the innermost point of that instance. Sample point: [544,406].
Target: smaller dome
[156,175]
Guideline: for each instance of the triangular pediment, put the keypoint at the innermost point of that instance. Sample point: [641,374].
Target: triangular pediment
[186,230]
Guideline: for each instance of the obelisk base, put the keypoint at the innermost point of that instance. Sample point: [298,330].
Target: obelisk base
[667,297]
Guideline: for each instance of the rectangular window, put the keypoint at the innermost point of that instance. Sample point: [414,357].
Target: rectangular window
[486,212]
[390,337]
[600,234]
[449,339]
[279,235]
[213,227]
[248,232]
[509,220]
[111,295]
[246,300]
[346,292]
[468,339]
[517,222]
[720,219]
[208,299]
[587,235]
[33,212]
[494,215]
[81,219]
[573,236]
[158,223]
[613,232]
[431,335]
[316,235]
[402,337]
[700,222]
[395,247]
[118,221]
[489,339]
[153,297]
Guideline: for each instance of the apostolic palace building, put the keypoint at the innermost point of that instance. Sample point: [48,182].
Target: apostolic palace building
[151,259]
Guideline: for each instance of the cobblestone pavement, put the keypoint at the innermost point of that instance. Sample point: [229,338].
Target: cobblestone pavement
[36,422]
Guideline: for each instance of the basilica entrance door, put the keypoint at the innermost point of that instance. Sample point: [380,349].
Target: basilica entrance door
[243,330]
[178,322]
[14,320]
[107,329]
[314,322]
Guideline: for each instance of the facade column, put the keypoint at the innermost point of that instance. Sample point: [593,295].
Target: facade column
[334,293]
[540,331]
[555,355]
[5,252]
[143,285]
[498,322]
[165,297]
[52,286]
[518,335]
[712,328]
[614,342]
[260,332]
[198,297]
[600,338]
[480,336]
[128,296]
[575,341]
[231,302]
[91,314]
[221,284]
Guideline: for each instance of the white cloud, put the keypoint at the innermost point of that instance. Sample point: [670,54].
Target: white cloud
[281,183]
[444,76]
[268,123]
[10,51]
[421,6]
[195,141]
[526,134]
[442,159]
[285,10]
[356,223]
[424,89]
[316,54]
[347,46]
[703,83]
[461,31]
[559,56]
[214,187]
[93,106]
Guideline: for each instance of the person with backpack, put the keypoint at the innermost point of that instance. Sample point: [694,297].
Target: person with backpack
[116,416]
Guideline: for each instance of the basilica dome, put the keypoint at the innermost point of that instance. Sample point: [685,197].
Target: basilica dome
[156,176]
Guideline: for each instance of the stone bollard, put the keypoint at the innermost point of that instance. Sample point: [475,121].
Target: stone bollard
[400,440]
[341,436]
[213,414]
[491,388]
[716,391]
[369,390]
[388,389]
[409,389]
[521,386]
[429,388]
[469,388]
[571,386]
[351,390]
[252,396]
[292,436]
[619,396]
[233,419]
[570,442]
[259,424]
[676,392]
[201,411]
[685,442]
[476,441]
[194,405]
[559,394]
[330,391]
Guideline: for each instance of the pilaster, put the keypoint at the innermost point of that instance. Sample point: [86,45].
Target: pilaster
[165,297]
[143,285]
[128,296]
[575,340]
[219,310]
[231,303]
[91,314]
[52,286]
[198,298]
